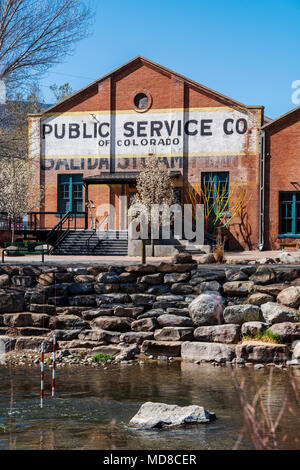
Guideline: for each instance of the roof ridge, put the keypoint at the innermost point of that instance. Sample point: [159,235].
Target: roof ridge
[159,66]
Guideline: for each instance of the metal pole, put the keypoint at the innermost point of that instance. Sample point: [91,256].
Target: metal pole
[42,375]
[53,366]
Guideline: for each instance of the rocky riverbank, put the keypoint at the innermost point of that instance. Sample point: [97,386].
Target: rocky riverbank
[181,309]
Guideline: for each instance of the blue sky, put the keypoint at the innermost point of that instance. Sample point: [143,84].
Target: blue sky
[248,49]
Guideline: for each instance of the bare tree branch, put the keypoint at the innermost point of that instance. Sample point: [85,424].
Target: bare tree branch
[35,35]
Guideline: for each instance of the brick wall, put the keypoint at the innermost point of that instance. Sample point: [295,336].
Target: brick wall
[282,168]
[168,91]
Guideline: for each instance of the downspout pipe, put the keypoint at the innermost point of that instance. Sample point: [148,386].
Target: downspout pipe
[262,168]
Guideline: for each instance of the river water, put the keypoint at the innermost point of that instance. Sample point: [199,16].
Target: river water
[93,406]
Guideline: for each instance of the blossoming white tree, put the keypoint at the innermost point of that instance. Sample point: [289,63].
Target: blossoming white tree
[20,192]
[154,188]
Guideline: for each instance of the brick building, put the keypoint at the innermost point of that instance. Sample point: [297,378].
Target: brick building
[91,146]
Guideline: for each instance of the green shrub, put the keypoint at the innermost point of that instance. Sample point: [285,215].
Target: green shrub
[266,336]
[101,357]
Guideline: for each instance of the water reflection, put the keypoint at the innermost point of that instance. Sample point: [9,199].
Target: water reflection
[93,406]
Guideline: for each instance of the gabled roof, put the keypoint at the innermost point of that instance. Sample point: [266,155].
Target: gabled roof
[161,68]
[283,116]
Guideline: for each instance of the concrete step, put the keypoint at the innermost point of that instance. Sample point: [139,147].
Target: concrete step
[86,242]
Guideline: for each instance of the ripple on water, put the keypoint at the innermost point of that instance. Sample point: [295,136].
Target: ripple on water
[92,407]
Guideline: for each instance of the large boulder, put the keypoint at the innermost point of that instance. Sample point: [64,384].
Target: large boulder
[275,313]
[142,299]
[202,275]
[234,275]
[33,343]
[160,416]
[228,334]
[152,279]
[242,313]
[11,302]
[26,319]
[290,297]
[65,335]
[181,288]
[207,285]
[141,268]
[112,299]
[31,331]
[174,320]
[80,288]
[238,287]
[99,335]
[161,348]
[101,288]
[99,312]
[175,268]
[112,323]
[271,289]
[144,324]
[206,259]
[128,311]
[108,278]
[67,321]
[288,258]
[259,351]
[173,333]
[253,328]
[287,331]
[263,275]
[135,337]
[153,313]
[78,344]
[175,277]
[82,301]
[207,309]
[182,258]
[197,351]
[259,298]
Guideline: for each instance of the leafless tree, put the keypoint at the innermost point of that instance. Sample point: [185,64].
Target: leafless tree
[14,132]
[62,91]
[38,34]
[20,191]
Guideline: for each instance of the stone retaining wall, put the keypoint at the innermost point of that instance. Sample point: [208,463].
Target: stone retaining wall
[178,309]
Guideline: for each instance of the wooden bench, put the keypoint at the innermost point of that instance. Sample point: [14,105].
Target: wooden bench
[290,244]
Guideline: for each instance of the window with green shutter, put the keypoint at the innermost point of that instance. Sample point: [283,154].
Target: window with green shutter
[70,193]
[289,213]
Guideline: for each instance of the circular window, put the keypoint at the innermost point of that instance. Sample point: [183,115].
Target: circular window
[141,101]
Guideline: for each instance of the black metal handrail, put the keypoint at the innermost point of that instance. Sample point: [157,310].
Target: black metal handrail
[38,221]
[59,232]
[106,218]
[89,239]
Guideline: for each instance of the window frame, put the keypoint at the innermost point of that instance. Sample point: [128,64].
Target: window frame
[294,202]
[71,180]
[215,176]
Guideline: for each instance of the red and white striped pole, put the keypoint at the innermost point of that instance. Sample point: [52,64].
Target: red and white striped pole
[53,366]
[42,375]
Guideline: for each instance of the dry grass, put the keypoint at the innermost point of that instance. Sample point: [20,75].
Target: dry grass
[262,425]
[266,337]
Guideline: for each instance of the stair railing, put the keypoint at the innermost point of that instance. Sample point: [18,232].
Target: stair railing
[97,229]
[59,232]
